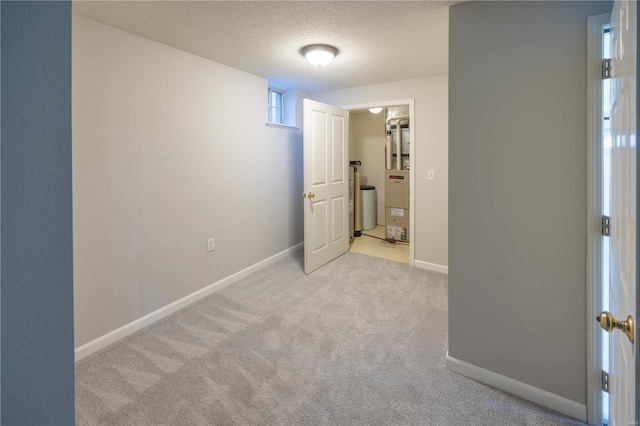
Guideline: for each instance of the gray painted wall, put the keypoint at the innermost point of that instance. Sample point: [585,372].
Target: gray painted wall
[517,190]
[170,149]
[0,220]
[37,271]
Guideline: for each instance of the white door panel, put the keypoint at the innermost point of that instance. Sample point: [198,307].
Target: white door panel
[319,218]
[339,160]
[326,130]
[318,154]
[338,218]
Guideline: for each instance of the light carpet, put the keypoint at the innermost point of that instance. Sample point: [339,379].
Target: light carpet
[361,341]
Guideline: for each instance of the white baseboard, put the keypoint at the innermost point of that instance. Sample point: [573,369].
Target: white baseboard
[431,266]
[115,335]
[523,390]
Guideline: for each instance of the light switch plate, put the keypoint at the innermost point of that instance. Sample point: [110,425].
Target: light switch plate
[431,175]
[210,245]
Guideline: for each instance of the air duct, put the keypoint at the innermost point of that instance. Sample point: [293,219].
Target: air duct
[389,164]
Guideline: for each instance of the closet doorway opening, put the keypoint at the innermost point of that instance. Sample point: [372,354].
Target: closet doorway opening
[382,158]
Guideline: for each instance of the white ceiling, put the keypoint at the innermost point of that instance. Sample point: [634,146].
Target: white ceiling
[379,41]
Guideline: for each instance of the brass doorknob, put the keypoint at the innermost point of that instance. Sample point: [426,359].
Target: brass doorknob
[304,195]
[608,323]
[311,195]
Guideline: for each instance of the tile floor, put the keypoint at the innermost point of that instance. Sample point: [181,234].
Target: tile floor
[370,245]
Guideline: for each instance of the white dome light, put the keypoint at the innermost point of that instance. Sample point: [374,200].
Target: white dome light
[319,54]
[375,110]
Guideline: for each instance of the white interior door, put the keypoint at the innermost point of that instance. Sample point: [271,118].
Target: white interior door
[326,184]
[623,212]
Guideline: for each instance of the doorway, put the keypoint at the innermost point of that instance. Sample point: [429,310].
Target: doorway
[328,206]
[381,136]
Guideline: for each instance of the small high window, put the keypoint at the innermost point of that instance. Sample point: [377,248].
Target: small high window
[275,106]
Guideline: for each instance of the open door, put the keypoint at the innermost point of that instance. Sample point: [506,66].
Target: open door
[622,265]
[326,184]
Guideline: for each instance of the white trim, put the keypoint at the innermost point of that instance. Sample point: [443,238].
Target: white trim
[412,161]
[115,335]
[412,183]
[281,126]
[594,212]
[431,266]
[539,396]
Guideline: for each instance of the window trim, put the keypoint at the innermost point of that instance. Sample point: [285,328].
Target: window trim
[271,108]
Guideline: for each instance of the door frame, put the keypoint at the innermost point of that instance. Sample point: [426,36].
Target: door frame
[594,212]
[637,233]
[412,160]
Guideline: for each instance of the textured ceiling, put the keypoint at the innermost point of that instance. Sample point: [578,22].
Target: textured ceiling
[379,41]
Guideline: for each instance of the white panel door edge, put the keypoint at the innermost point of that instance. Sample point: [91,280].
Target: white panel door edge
[623,272]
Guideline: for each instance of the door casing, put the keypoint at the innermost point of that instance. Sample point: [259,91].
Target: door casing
[594,212]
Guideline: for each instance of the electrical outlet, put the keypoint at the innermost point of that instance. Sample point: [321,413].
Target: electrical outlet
[210,245]
[431,175]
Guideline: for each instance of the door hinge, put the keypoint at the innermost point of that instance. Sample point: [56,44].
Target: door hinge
[605,226]
[605,382]
[606,69]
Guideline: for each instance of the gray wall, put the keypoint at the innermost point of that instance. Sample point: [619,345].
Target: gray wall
[0,220]
[169,150]
[37,288]
[517,194]
[0,216]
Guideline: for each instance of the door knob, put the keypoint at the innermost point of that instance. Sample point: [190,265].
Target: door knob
[608,323]
[304,195]
[311,195]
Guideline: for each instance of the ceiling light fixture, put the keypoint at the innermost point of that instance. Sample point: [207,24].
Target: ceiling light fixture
[375,110]
[319,54]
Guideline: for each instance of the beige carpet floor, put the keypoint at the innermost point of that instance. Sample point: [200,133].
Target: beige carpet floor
[360,341]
